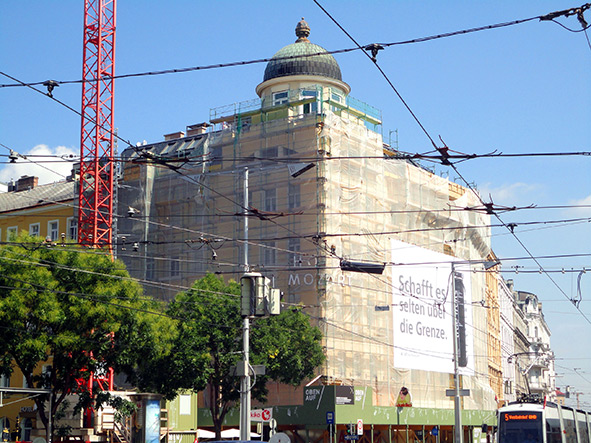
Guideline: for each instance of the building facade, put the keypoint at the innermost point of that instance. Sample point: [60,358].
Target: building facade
[46,211]
[507,307]
[297,185]
[539,358]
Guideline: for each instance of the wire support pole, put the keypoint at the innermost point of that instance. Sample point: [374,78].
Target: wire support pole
[458,431]
[245,373]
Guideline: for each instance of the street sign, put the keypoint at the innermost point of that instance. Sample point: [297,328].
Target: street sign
[351,437]
[329,418]
[452,392]
[263,415]
[359,427]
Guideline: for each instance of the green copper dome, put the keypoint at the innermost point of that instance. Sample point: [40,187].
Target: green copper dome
[304,63]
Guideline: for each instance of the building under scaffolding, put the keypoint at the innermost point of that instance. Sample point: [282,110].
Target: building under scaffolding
[323,191]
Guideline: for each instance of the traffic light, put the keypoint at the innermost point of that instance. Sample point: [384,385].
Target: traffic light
[258,297]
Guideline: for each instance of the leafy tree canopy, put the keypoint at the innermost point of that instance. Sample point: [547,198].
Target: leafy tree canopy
[209,345]
[75,311]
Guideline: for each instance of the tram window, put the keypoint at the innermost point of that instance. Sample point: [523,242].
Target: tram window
[583,431]
[553,434]
[570,430]
[519,427]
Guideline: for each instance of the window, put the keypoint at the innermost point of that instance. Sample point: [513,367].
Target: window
[150,268]
[270,152]
[293,245]
[4,381]
[53,229]
[269,254]
[11,232]
[72,228]
[336,97]
[215,156]
[46,372]
[175,267]
[310,108]
[293,196]
[279,98]
[270,200]
[34,229]
[245,124]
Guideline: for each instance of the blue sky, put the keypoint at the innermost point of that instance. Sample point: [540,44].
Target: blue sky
[518,89]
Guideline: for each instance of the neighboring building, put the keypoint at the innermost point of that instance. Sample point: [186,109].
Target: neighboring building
[560,397]
[323,189]
[494,339]
[540,358]
[521,347]
[507,308]
[47,211]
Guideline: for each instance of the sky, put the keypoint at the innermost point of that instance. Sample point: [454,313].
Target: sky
[518,89]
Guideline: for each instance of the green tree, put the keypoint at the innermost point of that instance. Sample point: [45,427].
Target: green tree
[74,311]
[212,332]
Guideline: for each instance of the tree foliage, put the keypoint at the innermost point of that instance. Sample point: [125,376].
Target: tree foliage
[209,345]
[74,311]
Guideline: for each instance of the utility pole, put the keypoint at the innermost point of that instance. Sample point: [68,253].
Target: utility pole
[458,431]
[245,373]
[258,299]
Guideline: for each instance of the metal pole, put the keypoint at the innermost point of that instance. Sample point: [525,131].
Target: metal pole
[245,379]
[49,430]
[245,212]
[458,434]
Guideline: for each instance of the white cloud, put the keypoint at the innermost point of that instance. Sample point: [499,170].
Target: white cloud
[43,162]
[511,194]
[583,211]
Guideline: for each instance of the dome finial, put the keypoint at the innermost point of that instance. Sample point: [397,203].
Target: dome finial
[302,31]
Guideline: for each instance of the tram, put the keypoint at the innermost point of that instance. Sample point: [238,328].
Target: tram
[537,421]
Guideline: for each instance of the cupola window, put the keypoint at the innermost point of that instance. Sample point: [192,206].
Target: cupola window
[279,98]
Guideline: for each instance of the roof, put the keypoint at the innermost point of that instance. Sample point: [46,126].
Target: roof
[40,195]
[305,63]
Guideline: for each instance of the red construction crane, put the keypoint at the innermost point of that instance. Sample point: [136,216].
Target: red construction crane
[95,201]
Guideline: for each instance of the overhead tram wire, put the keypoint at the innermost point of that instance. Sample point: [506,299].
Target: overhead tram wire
[399,156]
[265,60]
[301,236]
[511,229]
[163,163]
[444,150]
[374,60]
[26,157]
[397,92]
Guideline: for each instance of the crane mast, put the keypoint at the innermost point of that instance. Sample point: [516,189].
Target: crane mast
[95,198]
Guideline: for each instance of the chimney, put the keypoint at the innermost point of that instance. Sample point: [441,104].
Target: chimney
[200,128]
[174,135]
[26,182]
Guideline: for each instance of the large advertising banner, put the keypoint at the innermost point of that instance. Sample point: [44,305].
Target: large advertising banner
[422,310]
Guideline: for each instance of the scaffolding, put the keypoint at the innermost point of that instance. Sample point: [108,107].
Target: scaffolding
[354,201]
